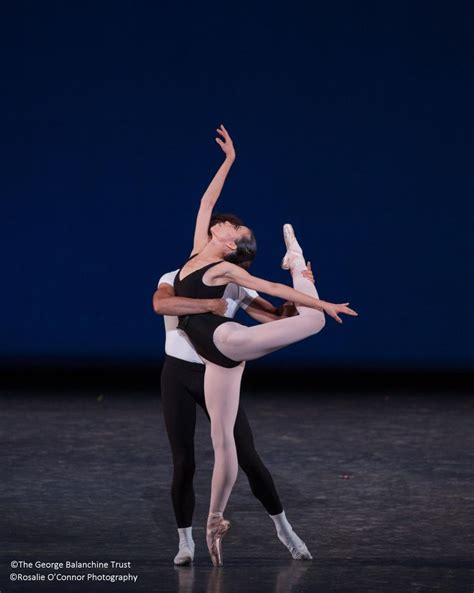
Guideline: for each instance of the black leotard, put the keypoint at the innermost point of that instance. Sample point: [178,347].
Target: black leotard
[200,327]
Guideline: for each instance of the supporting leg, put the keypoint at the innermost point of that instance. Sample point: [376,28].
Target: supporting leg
[222,392]
[258,475]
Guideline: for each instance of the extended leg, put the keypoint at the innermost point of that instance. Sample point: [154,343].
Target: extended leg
[238,342]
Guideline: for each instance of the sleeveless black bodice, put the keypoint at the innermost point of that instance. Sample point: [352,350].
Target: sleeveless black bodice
[193,287]
[200,327]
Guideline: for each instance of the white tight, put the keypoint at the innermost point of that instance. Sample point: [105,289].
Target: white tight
[222,393]
[222,385]
[239,342]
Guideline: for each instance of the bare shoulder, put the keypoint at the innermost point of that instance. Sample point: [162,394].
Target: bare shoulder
[221,273]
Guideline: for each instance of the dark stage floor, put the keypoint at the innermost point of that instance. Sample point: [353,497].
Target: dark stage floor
[381,488]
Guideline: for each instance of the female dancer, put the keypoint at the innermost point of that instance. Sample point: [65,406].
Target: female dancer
[225,345]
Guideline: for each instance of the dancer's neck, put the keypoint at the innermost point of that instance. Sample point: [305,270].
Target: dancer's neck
[211,251]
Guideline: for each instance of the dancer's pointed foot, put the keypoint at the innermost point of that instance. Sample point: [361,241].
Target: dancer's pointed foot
[292,246]
[217,527]
[295,546]
[288,235]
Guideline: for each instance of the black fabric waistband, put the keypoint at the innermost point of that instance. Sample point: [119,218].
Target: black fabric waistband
[184,364]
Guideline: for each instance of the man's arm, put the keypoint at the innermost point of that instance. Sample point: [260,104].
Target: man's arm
[166,303]
[263,311]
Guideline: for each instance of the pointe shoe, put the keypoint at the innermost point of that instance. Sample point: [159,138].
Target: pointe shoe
[289,237]
[217,527]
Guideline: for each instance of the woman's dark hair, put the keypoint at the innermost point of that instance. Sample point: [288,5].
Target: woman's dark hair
[246,246]
[245,252]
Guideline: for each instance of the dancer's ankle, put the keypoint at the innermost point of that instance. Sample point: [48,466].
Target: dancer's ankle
[186,537]
[296,262]
[185,555]
[214,515]
[282,525]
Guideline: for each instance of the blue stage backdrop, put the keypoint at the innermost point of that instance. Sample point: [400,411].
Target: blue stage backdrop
[352,121]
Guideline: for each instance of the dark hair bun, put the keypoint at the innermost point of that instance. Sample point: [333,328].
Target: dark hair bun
[246,250]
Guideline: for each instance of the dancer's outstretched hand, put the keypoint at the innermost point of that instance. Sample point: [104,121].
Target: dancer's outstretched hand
[333,309]
[226,145]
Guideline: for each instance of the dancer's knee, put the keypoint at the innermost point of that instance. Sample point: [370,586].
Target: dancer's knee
[318,321]
[227,335]
[222,439]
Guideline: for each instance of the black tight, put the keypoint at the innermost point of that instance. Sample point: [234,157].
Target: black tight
[182,387]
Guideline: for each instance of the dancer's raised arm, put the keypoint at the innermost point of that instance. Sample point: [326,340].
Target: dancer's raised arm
[212,193]
[238,275]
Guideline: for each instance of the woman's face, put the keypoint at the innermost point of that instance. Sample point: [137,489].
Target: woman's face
[227,232]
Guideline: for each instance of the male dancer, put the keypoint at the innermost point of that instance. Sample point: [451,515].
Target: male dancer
[182,387]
